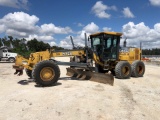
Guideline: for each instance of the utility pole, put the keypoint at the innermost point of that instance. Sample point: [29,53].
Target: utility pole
[141,50]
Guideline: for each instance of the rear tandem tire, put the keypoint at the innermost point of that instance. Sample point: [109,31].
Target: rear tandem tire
[138,69]
[123,70]
[46,73]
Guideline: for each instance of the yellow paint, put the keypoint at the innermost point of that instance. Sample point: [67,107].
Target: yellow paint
[109,33]
[130,56]
[47,74]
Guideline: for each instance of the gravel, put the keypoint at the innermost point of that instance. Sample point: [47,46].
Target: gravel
[131,99]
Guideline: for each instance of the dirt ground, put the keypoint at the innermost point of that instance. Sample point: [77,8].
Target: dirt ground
[69,99]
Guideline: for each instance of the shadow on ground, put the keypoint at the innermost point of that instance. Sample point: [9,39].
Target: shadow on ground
[56,84]
[25,82]
[69,78]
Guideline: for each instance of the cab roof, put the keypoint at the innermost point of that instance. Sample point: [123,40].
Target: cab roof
[109,33]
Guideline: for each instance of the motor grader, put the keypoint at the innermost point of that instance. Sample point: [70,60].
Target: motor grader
[99,62]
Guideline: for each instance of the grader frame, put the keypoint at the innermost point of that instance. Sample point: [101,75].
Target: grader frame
[91,63]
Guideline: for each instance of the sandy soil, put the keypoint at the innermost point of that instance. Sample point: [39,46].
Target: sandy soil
[132,99]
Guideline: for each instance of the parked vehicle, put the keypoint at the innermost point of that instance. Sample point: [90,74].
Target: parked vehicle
[5,55]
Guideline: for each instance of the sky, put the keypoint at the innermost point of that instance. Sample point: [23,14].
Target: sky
[54,21]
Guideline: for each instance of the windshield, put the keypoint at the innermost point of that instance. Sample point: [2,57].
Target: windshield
[96,40]
[105,40]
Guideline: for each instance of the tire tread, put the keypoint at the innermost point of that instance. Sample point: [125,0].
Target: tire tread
[134,66]
[38,66]
[118,70]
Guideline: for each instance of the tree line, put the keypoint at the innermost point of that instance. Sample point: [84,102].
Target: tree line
[155,51]
[25,47]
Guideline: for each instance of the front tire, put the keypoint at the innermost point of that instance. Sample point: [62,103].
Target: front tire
[46,73]
[123,70]
[12,60]
[138,69]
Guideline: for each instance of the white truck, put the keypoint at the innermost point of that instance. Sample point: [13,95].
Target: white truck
[7,56]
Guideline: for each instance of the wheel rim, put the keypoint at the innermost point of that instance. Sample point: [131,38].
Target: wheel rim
[125,70]
[47,74]
[140,69]
[11,60]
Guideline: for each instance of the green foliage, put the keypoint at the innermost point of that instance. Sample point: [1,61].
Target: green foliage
[5,42]
[57,48]
[35,45]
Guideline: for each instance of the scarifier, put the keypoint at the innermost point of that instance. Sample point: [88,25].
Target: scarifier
[99,62]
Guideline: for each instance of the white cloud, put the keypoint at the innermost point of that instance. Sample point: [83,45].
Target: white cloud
[20,17]
[2,28]
[45,38]
[155,2]
[15,3]
[140,32]
[13,32]
[79,39]
[80,25]
[135,33]
[127,13]
[23,25]
[157,27]
[65,43]
[19,24]
[40,37]
[53,43]
[107,29]
[100,10]
[91,28]
[52,29]
[131,30]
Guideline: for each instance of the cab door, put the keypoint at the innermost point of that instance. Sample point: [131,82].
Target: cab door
[111,48]
[5,53]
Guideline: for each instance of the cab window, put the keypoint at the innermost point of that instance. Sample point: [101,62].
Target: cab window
[4,50]
[96,41]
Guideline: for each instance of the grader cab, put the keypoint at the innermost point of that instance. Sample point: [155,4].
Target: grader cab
[99,62]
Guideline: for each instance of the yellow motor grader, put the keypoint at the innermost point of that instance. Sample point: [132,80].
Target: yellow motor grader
[99,62]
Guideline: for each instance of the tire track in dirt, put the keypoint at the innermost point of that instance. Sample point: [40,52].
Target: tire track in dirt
[128,102]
